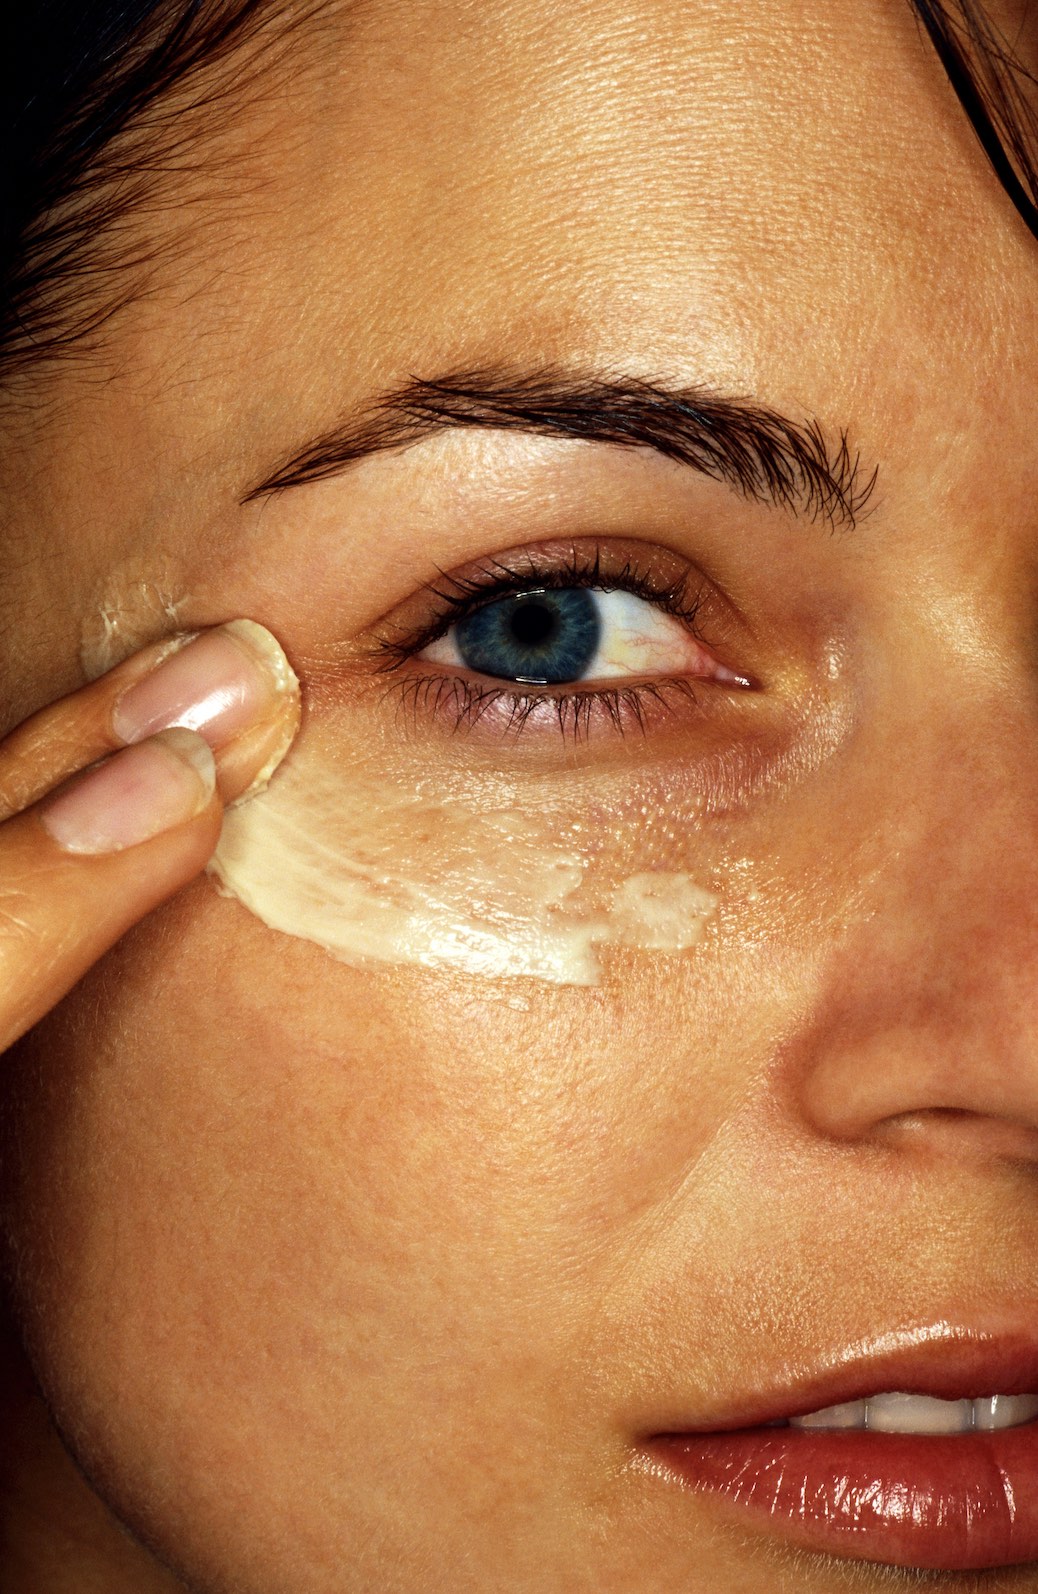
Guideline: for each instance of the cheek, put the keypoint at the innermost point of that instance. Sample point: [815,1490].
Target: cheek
[249,1180]
[207,1054]
[261,1197]
[223,1126]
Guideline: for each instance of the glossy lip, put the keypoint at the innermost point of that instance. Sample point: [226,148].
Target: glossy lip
[951,1503]
[943,1360]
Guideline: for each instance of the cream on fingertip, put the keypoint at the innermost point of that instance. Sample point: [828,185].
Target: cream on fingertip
[234,686]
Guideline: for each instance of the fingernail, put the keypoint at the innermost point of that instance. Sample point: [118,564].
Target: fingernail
[134,795]
[220,684]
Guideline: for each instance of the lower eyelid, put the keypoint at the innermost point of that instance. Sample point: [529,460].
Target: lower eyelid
[504,709]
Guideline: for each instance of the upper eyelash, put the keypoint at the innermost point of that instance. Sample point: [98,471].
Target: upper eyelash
[461,595]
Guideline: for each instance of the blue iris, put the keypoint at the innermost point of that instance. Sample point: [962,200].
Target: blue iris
[546,637]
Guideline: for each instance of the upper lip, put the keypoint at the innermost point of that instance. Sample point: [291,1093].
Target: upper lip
[939,1359]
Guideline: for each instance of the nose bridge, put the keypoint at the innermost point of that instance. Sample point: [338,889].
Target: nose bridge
[928,1000]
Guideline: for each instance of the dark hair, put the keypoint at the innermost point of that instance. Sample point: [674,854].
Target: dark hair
[83,86]
[93,95]
[996,90]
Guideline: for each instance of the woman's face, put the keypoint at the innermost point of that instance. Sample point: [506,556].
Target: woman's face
[348,1275]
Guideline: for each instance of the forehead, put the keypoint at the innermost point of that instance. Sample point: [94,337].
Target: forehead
[770,192]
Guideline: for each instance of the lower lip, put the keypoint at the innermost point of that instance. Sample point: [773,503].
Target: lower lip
[958,1503]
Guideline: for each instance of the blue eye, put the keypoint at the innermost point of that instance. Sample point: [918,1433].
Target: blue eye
[546,637]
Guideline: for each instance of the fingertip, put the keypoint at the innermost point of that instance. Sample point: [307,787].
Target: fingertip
[234,685]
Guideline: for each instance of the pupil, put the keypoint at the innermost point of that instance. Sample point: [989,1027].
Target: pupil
[533,624]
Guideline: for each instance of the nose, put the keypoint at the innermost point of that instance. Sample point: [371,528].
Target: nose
[925,1022]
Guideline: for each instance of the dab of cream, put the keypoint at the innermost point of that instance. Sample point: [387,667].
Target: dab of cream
[375,872]
[136,605]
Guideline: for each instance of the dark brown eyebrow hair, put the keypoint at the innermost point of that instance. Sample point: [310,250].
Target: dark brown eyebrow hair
[762,454]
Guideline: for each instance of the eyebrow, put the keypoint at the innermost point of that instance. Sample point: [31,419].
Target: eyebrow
[765,455]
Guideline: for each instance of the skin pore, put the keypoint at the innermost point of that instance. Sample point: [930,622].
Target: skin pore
[339,1278]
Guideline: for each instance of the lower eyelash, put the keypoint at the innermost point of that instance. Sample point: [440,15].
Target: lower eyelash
[464,703]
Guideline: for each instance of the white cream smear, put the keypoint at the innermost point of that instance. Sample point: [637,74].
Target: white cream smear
[136,605]
[376,872]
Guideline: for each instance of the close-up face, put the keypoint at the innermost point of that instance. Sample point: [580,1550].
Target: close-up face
[613,1029]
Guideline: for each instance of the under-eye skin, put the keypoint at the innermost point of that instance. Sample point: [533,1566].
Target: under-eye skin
[573,641]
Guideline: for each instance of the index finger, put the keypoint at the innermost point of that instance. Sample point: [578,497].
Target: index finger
[233,684]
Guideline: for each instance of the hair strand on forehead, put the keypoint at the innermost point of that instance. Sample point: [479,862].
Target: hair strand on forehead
[997,90]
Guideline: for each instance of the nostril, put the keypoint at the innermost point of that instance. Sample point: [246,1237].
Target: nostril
[956,1132]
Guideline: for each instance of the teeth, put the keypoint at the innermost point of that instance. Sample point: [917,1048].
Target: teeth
[922,1414]
[1004,1411]
[917,1414]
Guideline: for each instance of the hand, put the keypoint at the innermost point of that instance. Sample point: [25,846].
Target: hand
[86,847]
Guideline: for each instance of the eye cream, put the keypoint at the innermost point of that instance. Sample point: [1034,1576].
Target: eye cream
[377,872]
[136,605]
